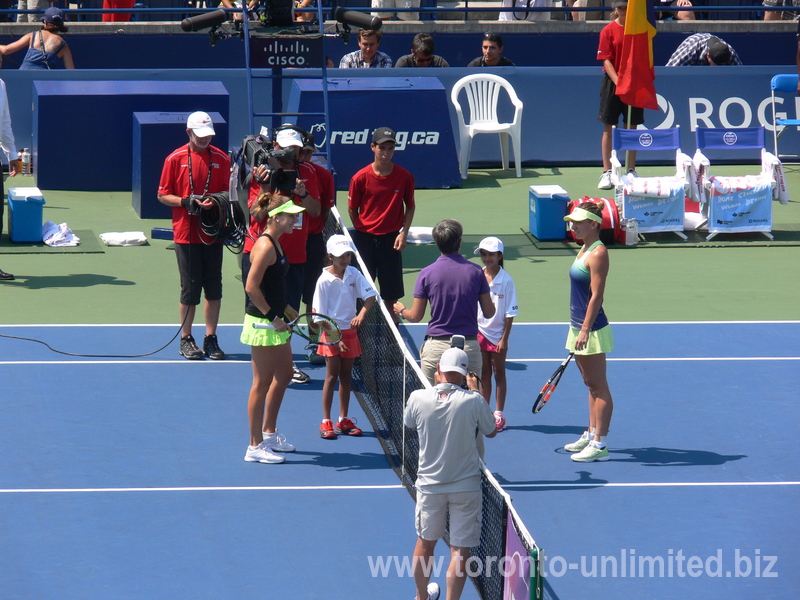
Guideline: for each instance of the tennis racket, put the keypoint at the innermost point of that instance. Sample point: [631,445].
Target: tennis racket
[550,386]
[311,326]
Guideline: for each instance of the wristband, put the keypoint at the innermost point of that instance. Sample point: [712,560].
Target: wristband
[186,203]
[272,315]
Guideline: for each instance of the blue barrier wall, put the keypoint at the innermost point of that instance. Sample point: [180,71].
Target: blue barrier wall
[559,121]
[193,50]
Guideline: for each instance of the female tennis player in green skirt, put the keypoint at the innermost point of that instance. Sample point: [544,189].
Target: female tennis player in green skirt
[590,336]
[266,304]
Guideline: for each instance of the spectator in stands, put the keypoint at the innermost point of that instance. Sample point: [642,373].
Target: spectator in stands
[611,107]
[703,49]
[236,5]
[31,5]
[46,48]
[381,208]
[455,289]
[191,174]
[421,54]
[525,15]
[9,147]
[110,17]
[777,15]
[403,16]
[367,56]
[492,48]
[681,15]
[594,15]
[450,421]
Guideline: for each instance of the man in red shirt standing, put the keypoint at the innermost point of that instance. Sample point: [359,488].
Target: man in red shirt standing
[611,107]
[190,174]
[381,207]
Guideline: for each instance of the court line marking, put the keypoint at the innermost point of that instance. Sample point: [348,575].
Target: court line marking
[558,324]
[130,361]
[77,360]
[260,488]
[652,484]
[237,488]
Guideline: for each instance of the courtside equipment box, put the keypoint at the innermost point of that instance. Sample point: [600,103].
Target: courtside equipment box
[25,214]
[547,209]
[95,117]
[155,136]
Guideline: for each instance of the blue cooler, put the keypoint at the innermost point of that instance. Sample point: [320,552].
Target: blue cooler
[25,214]
[548,207]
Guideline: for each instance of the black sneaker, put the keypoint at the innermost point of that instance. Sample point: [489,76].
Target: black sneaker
[211,348]
[298,376]
[189,349]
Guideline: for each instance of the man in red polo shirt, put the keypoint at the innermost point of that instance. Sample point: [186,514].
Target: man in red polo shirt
[190,174]
[381,207]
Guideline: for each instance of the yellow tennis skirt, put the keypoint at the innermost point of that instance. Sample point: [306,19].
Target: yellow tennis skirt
[600,341]
[261,337]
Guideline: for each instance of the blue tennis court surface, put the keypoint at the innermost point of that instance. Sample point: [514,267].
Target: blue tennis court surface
[125,478]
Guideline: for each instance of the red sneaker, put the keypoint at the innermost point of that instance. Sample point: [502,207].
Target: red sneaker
[500,422]
[347,426]
[326,430]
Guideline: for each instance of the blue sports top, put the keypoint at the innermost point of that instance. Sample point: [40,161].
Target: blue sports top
[581,292]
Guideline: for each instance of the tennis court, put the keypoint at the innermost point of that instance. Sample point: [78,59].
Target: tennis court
[124,477]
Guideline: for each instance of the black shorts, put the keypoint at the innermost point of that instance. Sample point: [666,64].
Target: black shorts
[612,108]
[384,263]
[294,284]
[200,269]
[315,260]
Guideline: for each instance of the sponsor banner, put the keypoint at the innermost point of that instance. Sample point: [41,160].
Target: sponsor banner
[656,214]
[744,210]
[417,108]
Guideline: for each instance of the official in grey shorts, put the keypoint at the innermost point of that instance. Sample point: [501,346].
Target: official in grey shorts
[449,420]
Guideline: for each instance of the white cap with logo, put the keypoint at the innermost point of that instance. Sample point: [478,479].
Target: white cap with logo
[200,123]
[490,244]
[338,245]
[454,360]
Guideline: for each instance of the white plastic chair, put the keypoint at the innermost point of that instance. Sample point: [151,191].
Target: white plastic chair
[483,93]
[784,84]
[740,204]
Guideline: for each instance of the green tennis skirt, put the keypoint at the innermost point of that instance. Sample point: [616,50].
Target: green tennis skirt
[600,341]
[261,337]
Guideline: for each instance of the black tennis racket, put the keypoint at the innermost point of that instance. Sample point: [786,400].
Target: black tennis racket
[550,386]
[311,326]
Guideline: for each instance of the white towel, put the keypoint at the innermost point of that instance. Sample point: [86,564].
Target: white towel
[420,235]
[772,167]
[657,187]
[123,238]
[58,235]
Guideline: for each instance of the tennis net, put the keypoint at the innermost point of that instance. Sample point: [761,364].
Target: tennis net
[383,377]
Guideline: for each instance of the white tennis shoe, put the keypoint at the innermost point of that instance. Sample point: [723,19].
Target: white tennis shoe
[277,442]
[262,454]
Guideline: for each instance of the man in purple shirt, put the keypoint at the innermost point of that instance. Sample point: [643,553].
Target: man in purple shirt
[455,288]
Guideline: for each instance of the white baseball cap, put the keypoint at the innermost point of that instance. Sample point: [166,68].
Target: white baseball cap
[454,360]
[338,245]
[200,123]
[289,137]
[490,244]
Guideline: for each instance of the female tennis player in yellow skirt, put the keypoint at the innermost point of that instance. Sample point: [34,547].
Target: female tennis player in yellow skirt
[590,336]
[266,304]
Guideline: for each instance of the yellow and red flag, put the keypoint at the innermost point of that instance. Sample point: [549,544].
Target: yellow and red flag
[636,74]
